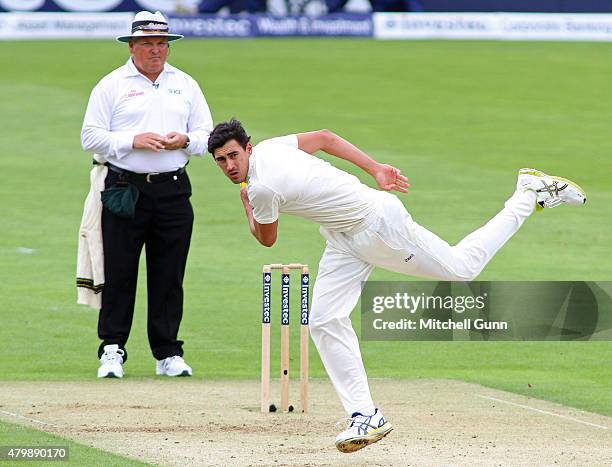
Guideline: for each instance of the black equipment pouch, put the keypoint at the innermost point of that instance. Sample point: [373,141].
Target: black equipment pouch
[121,198]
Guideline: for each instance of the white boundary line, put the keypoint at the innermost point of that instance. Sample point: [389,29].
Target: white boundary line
[543,411]
[26,418]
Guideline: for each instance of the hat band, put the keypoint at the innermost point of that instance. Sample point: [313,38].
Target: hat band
[149,26]
[150,32]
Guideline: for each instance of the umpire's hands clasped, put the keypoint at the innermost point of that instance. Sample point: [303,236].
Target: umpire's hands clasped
[157,143]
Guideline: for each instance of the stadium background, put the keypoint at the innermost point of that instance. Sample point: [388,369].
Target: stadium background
[457,117]
[194,6]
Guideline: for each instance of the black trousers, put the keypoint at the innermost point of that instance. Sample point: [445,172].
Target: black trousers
[163,223]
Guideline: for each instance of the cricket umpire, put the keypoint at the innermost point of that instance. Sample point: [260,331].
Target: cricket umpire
[146,118]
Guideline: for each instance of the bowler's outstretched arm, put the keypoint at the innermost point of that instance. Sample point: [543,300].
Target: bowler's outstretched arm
[387,177]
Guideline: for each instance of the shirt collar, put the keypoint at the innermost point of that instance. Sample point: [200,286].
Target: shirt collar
[251,170]
[131,70]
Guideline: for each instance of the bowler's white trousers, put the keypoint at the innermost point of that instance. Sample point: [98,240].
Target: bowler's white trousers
[394,242]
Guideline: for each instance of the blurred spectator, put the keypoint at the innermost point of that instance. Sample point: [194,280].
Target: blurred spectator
[235,6]
[336,6]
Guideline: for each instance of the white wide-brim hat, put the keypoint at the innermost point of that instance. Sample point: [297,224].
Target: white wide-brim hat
[147,24]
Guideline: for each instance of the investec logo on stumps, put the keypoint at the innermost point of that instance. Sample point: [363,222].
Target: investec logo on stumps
[304,300]
[265,313]
[285,301]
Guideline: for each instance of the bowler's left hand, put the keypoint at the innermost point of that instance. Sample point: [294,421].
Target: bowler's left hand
[389,178]
[244,196]
[174,141]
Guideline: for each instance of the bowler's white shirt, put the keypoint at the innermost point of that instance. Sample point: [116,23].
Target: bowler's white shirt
[126,103]
[282,178]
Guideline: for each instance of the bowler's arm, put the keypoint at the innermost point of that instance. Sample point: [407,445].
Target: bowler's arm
[386,176]
[264,233]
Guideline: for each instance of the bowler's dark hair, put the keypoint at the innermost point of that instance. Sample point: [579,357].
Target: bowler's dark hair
[225,132]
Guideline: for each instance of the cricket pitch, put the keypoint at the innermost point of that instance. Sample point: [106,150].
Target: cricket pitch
[177,422]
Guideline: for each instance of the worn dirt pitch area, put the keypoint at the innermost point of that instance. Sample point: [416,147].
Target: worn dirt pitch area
[192,422]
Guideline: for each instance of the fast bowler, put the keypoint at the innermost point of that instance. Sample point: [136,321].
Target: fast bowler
[364,228]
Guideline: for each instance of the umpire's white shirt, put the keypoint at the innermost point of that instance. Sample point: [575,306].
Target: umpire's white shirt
[126,103]
[283,178]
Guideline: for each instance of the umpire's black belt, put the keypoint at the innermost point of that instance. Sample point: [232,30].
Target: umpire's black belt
[153,177]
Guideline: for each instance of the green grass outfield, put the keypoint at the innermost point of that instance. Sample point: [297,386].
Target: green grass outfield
[459,118]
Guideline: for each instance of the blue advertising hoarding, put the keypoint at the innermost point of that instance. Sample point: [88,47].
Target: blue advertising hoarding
[345,25]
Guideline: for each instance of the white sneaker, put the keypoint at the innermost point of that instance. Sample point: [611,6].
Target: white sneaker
[173,366]
[551,191]
[363,430]
[111,362]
